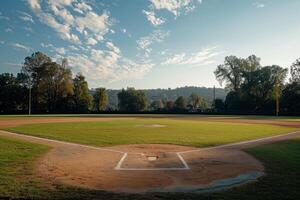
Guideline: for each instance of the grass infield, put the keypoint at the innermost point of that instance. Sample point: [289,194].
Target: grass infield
[146,131]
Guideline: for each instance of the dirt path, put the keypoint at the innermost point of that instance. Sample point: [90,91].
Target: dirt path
[93,167]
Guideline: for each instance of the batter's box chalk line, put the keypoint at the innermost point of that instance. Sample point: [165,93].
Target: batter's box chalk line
[125,155]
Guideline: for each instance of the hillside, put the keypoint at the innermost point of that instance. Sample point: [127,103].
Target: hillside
[172,94]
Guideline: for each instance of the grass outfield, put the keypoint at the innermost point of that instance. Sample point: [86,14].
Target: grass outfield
[140,131]
[282,161]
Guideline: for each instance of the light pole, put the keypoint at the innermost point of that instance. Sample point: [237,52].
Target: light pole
[277,97]
[29,96]
[29,101]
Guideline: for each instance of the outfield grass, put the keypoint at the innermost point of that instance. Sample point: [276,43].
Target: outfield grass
[138,131]
[281,160]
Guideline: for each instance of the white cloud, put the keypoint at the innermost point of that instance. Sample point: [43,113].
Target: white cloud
[34,4]
[13,64]
[28,29]
[3,17]
[203,57]
[26,17]
[8,30]
[259,5]
[97,24]
[91,41]
[144,43]
[21,46]
[2,42]
[60,3]
[112,47]
[60,15]
[107,66]
[153,19]
[174,6]
[61,50]
[46,45]
[82,7]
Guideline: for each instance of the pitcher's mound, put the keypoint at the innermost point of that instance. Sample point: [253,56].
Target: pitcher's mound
[149,168]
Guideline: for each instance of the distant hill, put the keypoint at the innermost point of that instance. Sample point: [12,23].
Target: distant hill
[172,94]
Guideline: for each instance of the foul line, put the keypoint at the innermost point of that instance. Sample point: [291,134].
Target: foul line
[240,143]
[61,142]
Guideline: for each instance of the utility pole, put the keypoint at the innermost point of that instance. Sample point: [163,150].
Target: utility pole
[214,97]
[29,97]
[277,97]
[214,93]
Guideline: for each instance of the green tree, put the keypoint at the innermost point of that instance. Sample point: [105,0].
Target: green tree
[219,105]
[13,93]
[180,103]
[132,100]
[196,101]
[170,105]
[51,82]
[230,72]
[295,71]
[82,98]
[157,104]
[100,99]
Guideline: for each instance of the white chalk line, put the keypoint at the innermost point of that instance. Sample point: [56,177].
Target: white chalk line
[61,142]
[240,143]
[120,168]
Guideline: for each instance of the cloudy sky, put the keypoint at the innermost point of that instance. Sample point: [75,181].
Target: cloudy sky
[149,43]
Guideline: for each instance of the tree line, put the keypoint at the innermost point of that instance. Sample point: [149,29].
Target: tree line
[49,87]
[254,88]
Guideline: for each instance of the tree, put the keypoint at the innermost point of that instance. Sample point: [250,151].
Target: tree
[219,105]
[180,103]
[157,104]
[170,105]
[291,98]
[235,71]
[82,98]
[13,93]
[295,71]
[100,99]
[132,100]
[51,82]
[230,72]
[196,101]
[291,93]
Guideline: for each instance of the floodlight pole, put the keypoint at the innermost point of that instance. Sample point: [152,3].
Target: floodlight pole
[277,98]
[29,98]
[29,103]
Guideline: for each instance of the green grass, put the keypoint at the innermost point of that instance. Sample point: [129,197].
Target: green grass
[16,163]
[281,160]
[132,131]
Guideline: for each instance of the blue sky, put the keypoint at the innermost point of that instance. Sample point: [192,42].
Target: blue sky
[149,43]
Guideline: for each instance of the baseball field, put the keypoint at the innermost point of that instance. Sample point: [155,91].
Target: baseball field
[149,157]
